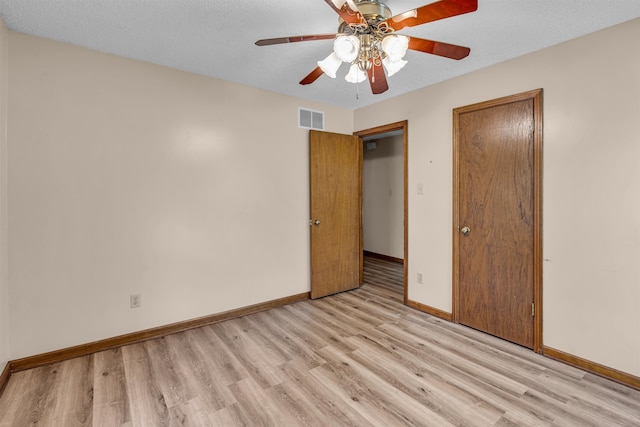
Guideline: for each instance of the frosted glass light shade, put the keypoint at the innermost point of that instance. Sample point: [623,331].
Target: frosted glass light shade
[352,5]
[395,46]
[393,67]
[346,48]
[330,65]
[356,75]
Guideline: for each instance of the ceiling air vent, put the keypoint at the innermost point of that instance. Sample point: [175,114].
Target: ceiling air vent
[310,119]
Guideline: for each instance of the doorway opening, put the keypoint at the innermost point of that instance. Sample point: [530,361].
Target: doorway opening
[383,229]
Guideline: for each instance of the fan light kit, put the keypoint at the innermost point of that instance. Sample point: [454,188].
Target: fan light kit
[367,39]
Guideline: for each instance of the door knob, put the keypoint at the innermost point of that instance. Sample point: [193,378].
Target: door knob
[316,222]
[465,230]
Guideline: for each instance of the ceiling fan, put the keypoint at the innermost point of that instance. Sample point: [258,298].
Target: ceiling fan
[367,39]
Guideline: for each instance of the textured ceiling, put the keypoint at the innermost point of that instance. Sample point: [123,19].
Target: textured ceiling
[216,37]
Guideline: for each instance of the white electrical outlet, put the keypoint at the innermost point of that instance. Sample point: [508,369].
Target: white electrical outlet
[135,300]
[419,278]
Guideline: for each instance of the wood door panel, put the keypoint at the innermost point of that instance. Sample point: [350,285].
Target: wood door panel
[334,201]
[496,269]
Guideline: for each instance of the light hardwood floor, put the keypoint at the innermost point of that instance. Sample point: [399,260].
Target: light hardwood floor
[359,358]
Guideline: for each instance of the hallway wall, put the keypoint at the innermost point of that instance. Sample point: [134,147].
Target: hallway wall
[383,197]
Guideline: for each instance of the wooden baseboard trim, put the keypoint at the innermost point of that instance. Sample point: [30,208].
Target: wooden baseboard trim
[384,257]
[4,377]
[136,337]
[596,368]
[430,310]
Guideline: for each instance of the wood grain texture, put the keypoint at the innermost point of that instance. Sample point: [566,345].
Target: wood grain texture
[404,127]
[4,377]
[335,178]
[119,341]
[431,12]
[110,397]
[590,366]
[430,310]
[439,48]
[383,257]
[294,39]
[312,76]
[498,194]
[377,77]
[496,203]
[358,358]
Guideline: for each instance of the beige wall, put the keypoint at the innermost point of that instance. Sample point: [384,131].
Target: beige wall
[131,178]
[126,177]
[591,186]
[4,273]
[383,197]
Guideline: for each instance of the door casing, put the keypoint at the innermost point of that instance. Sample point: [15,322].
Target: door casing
[536,96]
[404,126]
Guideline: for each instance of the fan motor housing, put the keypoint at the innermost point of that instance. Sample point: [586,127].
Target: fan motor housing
[373,10]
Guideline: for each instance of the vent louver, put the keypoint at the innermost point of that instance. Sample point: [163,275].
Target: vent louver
[310,119]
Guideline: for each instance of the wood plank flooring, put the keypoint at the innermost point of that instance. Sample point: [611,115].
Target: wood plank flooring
[360,358]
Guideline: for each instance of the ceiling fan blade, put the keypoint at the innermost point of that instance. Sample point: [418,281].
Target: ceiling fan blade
[377,78]
[431,12]
[293,39]
[438,48]
[312,76]
[345,11]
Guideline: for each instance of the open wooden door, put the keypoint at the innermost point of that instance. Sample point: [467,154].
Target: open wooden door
[335,199]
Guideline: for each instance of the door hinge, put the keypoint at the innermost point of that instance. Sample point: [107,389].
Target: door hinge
[533,309]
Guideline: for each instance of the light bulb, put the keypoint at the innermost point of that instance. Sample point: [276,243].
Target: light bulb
[356,75]
[346,48]
[330,65]
[393,67]
[395,46]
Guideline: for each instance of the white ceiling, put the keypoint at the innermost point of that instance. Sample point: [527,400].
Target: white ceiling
[216,37]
